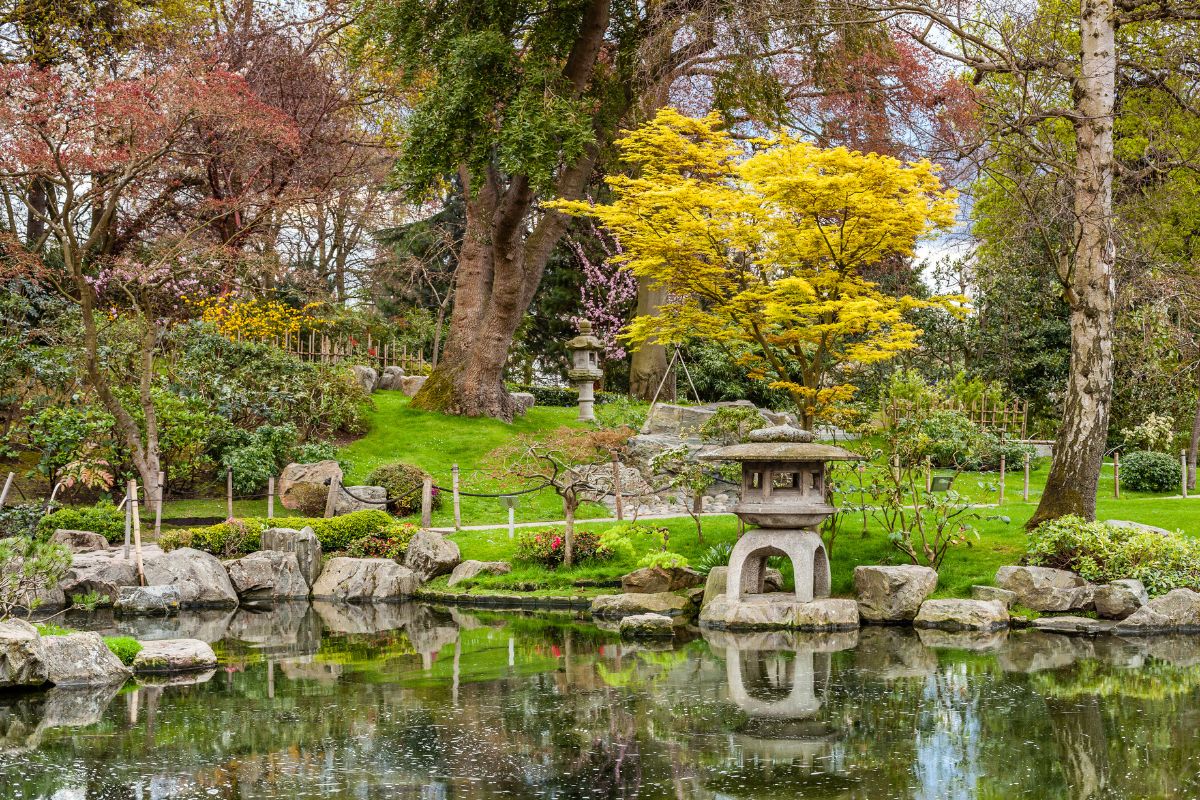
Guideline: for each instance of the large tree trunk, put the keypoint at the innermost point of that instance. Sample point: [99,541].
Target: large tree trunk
[1194,447]
[649,364]
[1090,290]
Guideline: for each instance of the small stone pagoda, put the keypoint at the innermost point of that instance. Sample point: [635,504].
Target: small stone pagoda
[783,494]
[585,368]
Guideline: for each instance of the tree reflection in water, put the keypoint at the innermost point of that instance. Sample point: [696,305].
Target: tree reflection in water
[413,701]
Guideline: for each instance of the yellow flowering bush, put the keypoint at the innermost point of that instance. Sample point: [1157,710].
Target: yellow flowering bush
[254,318]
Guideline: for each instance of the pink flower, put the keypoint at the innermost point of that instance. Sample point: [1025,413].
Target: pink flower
[555,542]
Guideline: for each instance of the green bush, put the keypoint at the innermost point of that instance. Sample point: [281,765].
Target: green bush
[312,452]
[260,455]
[403,484]
[951,441]
[241,536]
[125,648]
[1102,553]
[1147,471]
[309,499]
[391,542]
[20,520]
[732,424]
[28,568]
[547,545]
[713,557]
[103,518]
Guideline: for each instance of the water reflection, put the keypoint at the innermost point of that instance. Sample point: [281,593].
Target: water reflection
[413,701]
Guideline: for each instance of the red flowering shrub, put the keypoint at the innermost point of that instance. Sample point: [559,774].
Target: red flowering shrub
[546,547]
[391,542]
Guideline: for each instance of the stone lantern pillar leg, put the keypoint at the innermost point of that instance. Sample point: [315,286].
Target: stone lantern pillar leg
[587,401]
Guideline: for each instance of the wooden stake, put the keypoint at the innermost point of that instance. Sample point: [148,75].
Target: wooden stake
[457,504]
[1025,491]
[271,497]
[896,468]
[1002,471]
[512,515]
[137,532]
[1117,475]
[427,502]
[928,474]
[617,498]
[1183,473]
[158,501]
[7,485]
[130,488]
[229,493]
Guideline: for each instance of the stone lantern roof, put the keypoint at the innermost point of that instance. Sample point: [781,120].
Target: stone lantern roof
[783,443]
[585,340]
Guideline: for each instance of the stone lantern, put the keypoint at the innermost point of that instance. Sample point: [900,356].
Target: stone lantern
[783,494]
[585,368]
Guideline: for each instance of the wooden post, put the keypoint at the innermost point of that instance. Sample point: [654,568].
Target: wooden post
[7,485]
[1025,491]
[457,505]
[331,498]
[271,497]
[512,514]
[229,492]
[896,467]
[1002,471]
[618,500]
[137,533]
[427,502]
[1183,473]
[158,501]
[928,474]
[130,488]
[1117,475]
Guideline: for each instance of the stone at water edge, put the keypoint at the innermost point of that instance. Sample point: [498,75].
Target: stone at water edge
[892,594]
[780,611]
[994,593]
[357,580]
[101,571]
[471,568]
[82,659]
[1121,598]
[319,473]
[146,600]
[651,580]
[1046,589]
[200,578]
[79,541]
[268,575]
[613,606]
[1075,625]
[22,655]
[431,554]
[647,626]
[1177,610]
[304,543]
[174,655]
[715,585]
[962,615]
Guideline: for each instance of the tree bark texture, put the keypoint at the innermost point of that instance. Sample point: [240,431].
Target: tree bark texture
[649,364]
[1194,447]
[1090,290]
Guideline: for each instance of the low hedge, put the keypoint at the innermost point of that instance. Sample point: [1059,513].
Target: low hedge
[240,536]
[103,518]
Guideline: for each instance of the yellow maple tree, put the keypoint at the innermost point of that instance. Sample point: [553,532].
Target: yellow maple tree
[761,245]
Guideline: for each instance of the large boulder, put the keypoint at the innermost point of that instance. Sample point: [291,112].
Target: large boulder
[268,575]
[780,611]
[200,578]
[683,421]
[359,498]
[651,580]
[361,580]
[103,572]
[174,655]
[1064,623]
[471,568]
[390,377]
[319,473]
[411,384]
[1046,589]
[1119,599]
[647,626]
[962,615]
[431,554]
[81,659]
[1137,526]
[366,376]
[304,543]
[615,606]
[1177,610]
[79,541]
[145,600]
[994,593]
[22,655]
[892,594]
[715,585]
[523,401]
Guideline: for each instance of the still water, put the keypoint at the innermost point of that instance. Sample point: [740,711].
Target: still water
[417,702]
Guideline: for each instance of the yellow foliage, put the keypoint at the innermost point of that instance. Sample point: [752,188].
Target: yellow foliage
[254,318]
[763,245]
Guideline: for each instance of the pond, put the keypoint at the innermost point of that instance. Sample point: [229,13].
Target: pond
[409,701]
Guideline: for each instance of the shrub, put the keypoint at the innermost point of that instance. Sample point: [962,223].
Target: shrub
[125,648]
[312,452]
[262,454]
[28,567]
[1102,553]
[1156,433]
[952,441]
[391,542]
[546,546]
[103,518]
[403,484]
[732,424]
[662,559]
[20,520]
[240,536]
[620,542]
[1146,471]
[622,412]
[715,556]
[310,498]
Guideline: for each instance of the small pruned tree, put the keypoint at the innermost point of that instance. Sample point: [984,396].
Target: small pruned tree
[766,253]
[29,568]
[570,461]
